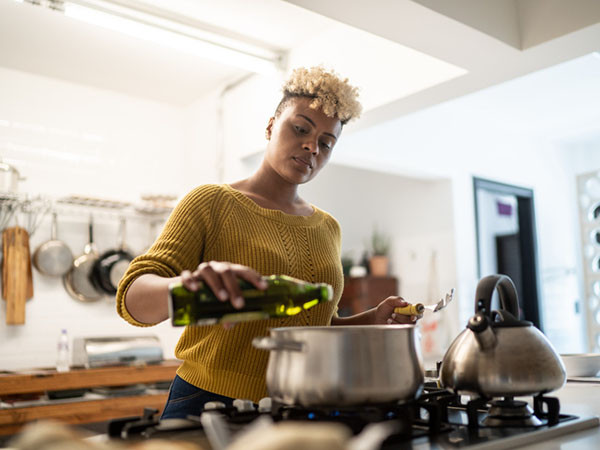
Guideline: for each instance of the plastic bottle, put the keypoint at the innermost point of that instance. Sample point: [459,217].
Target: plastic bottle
[62,352]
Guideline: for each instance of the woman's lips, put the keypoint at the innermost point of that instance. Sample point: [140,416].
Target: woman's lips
[302,161]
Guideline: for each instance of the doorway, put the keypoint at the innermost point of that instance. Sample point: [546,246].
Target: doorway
[506,240]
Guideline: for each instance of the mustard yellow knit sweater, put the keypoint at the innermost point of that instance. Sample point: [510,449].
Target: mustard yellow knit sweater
[219,223]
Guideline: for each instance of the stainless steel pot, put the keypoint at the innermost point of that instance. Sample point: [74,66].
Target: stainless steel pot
[343,365]
[498,355]
[9,178]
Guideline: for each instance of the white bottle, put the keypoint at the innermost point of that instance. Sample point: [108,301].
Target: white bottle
[62,353]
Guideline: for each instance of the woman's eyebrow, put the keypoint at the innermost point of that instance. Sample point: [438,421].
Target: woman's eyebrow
[308,119]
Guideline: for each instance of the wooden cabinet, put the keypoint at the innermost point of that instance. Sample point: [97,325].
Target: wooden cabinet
[362,293]
[87,409]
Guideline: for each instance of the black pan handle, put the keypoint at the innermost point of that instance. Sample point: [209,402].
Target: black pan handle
[91,229]
[506,291]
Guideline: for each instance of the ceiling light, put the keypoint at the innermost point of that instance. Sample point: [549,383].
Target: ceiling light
[171,33]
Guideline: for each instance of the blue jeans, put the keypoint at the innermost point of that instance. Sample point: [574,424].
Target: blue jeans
[186,399]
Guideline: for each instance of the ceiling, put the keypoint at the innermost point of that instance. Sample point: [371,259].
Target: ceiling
[405,55]
[537,114]
[494,41]
[48,43]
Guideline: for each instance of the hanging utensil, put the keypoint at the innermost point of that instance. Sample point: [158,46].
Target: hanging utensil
[53,258]
[9,178]
[110,267]
[8,206]
[77,280]
[23,240]
[417,309]
[16,257]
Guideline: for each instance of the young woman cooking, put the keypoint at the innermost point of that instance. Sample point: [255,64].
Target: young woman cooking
[257,226]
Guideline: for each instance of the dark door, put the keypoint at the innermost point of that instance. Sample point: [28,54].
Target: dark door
[500,208]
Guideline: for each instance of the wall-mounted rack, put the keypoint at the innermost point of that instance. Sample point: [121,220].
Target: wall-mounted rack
[29,210]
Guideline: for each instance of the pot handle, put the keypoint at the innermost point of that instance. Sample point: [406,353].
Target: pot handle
[506,291]
[269,343]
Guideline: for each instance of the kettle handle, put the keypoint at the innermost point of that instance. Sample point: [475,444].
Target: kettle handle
[506,291]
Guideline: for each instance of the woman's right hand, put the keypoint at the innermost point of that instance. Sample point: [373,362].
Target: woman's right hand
[222,278]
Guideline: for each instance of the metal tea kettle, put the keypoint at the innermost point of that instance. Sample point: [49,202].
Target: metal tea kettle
[498,355]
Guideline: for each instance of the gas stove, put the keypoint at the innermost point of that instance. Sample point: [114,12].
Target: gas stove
[437,419]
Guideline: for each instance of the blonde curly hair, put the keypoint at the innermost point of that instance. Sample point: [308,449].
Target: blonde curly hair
[332,94]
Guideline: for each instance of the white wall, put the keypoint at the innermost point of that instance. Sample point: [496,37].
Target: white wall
[452,142]
[70,139]
[413,144]
[418,215]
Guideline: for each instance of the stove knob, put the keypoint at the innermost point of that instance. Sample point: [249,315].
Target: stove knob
[265,405]
[211,406]
[243,405]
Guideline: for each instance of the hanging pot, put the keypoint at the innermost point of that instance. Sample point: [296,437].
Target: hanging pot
[9,178]
[110,267]
[53,258]
[77,280]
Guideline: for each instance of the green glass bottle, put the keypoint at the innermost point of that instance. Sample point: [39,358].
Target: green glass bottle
[285,296]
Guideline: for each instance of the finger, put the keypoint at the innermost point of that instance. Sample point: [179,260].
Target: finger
[396,301]
[188,281]
[212,279]
[230,283]
[250,275]
[402,319]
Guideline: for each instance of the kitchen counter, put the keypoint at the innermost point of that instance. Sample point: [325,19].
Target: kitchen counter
[583,400]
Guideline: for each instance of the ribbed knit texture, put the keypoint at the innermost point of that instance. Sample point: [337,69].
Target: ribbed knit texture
[219,223]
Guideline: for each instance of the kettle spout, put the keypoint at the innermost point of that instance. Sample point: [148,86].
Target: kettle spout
[484,334]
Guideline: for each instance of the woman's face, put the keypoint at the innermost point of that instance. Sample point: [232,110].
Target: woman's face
[301,140]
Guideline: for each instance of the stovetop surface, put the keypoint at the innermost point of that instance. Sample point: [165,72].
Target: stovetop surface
[438,420]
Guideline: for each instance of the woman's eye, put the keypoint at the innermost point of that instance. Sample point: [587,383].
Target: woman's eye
[300,129]
[326,145]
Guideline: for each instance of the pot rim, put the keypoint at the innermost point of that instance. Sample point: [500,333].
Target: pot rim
[342,328]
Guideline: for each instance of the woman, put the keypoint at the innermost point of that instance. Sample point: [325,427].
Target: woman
[254,227]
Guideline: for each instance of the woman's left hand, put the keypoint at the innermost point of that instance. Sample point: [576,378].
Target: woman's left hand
[385,315]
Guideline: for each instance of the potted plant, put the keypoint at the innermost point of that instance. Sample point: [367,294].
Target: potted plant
[380,248]
[347,263]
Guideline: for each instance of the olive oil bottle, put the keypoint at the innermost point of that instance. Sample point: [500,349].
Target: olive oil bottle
[285,296]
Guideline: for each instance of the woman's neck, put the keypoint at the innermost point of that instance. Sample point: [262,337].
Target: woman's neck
[269,193]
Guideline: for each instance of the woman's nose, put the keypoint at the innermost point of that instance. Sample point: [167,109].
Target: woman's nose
[311,147]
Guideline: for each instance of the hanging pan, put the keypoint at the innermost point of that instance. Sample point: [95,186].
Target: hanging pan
[77,280]
[110,267]
[53,258]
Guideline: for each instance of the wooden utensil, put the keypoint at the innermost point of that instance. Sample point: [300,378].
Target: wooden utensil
[15,269]
[29,281]
[4,267]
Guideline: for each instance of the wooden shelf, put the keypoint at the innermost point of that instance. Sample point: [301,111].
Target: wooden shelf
[362,293]
[82,410]
[51,380]
[13,419]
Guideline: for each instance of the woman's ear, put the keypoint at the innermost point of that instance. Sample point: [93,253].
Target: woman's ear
[269,129]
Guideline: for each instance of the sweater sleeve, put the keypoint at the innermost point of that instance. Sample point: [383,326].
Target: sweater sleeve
[336,232]
[180,245]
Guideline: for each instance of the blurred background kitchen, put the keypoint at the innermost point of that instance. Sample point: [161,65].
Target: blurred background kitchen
[478,151]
